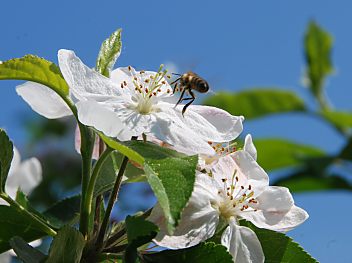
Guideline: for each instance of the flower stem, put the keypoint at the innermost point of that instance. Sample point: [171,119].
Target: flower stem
[87,206]
[87,143]
[43,226]
[112,199]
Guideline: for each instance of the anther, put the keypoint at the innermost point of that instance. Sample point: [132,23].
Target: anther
[146,80]
[142,72]
[223,180]
[129,68]
[242,187]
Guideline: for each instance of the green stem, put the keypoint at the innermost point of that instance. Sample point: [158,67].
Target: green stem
[107,256]
[87,143]
[87,206]
[111,202]
[41,224]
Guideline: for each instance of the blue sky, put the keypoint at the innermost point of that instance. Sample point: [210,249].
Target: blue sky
[234,44]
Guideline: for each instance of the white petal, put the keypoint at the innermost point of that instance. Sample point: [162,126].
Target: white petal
[5,257]
[198,220]
[242,243]
[249,146]
[26,177]
[92,113]
[16,161]
[276,210]
[248,167]
[213,124]
[43,100]
[85,82]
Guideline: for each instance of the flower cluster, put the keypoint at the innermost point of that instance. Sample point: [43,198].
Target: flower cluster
[230,185]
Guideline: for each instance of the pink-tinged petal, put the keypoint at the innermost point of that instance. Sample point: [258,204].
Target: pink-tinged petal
[213,124]
[242,243]
[198,220]
[96,149]
[249,146]
[276,210]
[249,168]
[91,113]
[43,100]
[84,82]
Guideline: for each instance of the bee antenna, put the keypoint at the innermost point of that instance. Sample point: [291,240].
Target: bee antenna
[176,74]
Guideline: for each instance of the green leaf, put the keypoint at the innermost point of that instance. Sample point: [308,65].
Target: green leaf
[25,252]
[139,232]
[256,103]
[287,153]
[64,211]
[107,176]
[172,180]
[317,47]
[6,155]
[67,246]
[202,253]
[109,52]
[304,181]
[278,247]
[131,154]
[14,223]
[36,69]
[342,120]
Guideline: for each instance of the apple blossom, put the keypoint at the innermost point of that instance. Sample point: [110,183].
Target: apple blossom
[132,103]
[237,188]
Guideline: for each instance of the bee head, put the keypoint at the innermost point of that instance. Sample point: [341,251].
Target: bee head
[203,86]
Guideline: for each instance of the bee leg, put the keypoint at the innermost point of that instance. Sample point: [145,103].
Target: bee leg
[175,81]
[181,97]
[173,91]
[188,103]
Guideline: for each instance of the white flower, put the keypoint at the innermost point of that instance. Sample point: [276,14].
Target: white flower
[238,189]
[131,103]
[25,175]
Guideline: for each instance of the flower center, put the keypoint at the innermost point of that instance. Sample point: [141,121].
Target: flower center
[221,149]
[147,87]
[235,198]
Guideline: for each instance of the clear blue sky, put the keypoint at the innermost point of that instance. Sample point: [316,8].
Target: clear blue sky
[234,44]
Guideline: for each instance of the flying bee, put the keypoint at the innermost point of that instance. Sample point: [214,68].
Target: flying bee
[189,82]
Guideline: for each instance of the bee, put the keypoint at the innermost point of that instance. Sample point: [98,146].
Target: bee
[189,82]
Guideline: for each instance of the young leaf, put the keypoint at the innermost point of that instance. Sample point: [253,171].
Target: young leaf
[14,223]
[172,180]
[287,153]
[342,120]
[109,52]
[278,247]
[317,46]
[35,69]
[25,252]
[202,253]
[6,155]
[67,246]
[256,103]
[139,232]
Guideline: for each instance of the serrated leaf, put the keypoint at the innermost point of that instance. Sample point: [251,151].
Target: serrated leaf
[14,223]
[139,232]
[202,253]
[278,247]
[6,155]
[286,153]
[256,103]
[25,252]
[67,246]
[36,69]
[64,211]
[317,47]
[109,52]
[172,180]
[303,181]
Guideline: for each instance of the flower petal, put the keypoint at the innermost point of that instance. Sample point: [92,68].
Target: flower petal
[43,100]
[213,124]
[249,146]
[276,210]
[242,243]
[85,82]
[198,220]
[92,113]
